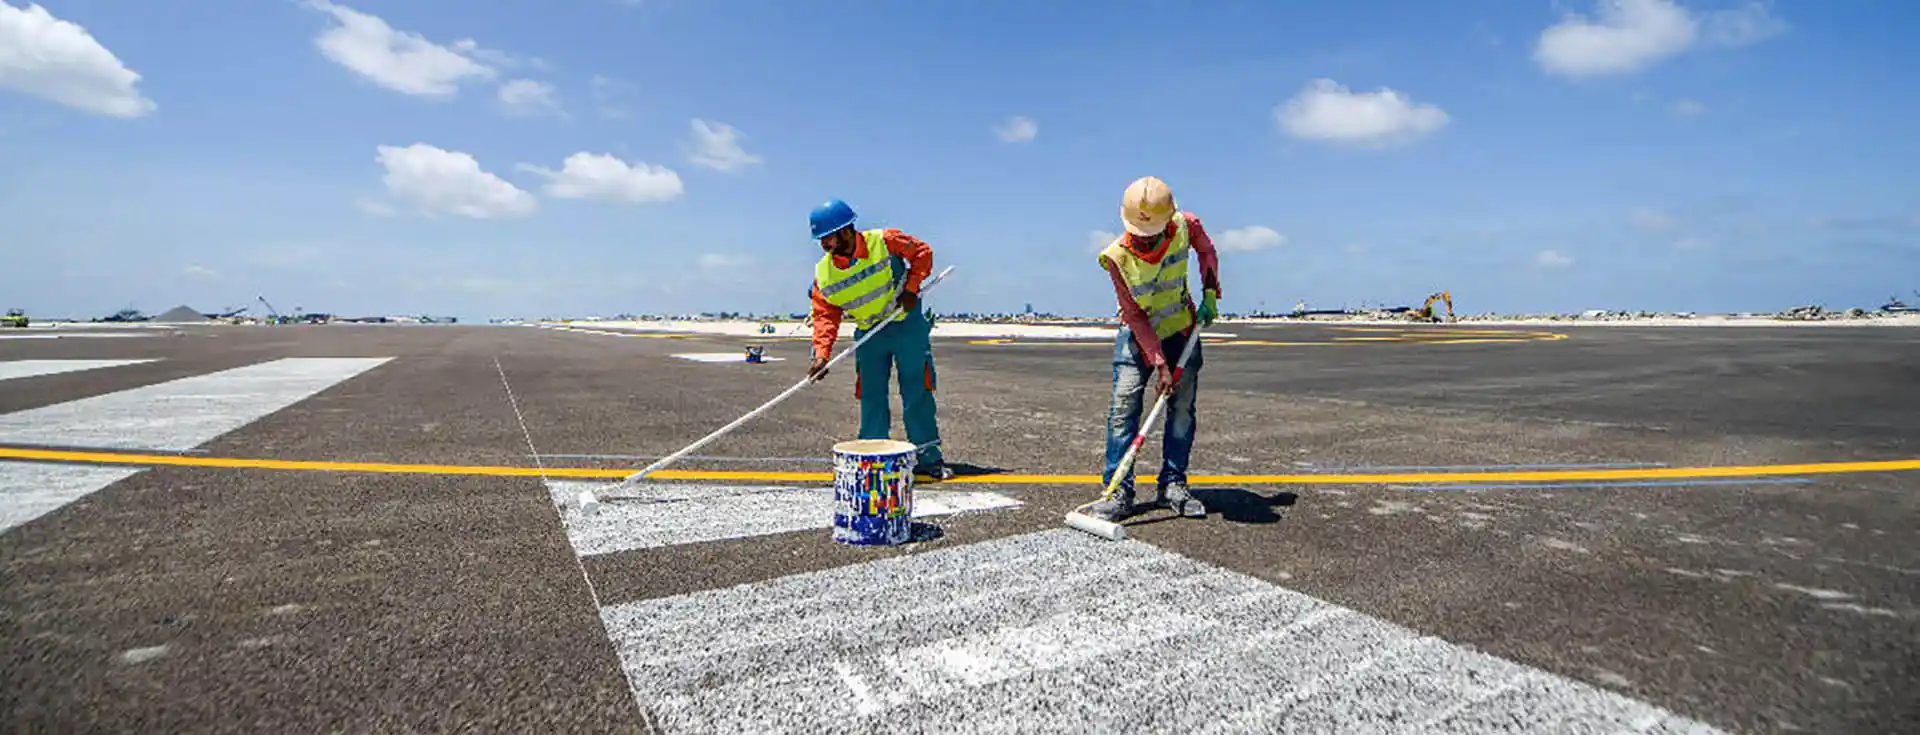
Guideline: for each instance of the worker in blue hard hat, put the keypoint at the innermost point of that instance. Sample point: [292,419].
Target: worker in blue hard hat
[862,276]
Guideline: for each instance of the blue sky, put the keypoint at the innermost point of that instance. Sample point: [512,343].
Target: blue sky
[522,158]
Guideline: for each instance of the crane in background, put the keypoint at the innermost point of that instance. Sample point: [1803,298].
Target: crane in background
[274,316]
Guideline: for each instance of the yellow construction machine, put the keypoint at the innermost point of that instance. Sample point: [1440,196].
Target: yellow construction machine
[15,318]
[1425,312]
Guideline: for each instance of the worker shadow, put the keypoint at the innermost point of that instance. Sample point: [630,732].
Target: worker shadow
[962,469]
[1237,505]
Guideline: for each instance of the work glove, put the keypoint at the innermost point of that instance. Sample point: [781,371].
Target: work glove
[908,300]
[1209,311]
[817,370]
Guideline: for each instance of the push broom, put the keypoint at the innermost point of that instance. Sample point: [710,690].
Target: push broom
[1078,518]
[589,499]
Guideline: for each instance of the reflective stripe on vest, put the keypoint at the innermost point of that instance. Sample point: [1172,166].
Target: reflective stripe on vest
[865,289]
[1159,288]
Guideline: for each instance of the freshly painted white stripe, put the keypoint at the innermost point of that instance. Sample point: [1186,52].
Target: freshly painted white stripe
[29,490]
[30,368]
[1060,631]
[685,514]
[180,414]
[739,357]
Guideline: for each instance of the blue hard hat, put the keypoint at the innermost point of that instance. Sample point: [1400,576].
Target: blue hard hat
[830,217]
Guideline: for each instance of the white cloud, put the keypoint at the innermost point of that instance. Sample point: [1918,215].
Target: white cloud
[402,61]
[722,261]
[1688,108]
[1249,239]
[58,60]
[603,177]
[1326,111]
[442,181]
[1017,130]
[1654,220]
[1626,36]
[1553,259]
[199,271]
[603,89]
[1098,240]
[528,97]
[1744,26]
[717,146]
[496,57]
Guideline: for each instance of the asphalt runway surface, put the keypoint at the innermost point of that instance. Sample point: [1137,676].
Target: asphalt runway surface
[177,557]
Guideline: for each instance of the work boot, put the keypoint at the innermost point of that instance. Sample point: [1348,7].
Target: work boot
[1114,509]
[1174,496]
[935,471]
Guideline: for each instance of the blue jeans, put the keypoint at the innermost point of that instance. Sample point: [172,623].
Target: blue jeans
[1134,384]
[904,348]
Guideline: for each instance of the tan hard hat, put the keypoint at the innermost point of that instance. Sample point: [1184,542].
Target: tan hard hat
[1147,206]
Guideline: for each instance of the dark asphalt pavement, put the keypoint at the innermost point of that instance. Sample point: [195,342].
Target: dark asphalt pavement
[213,599]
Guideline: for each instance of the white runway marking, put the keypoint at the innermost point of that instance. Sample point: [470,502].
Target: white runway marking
[180,414]
[29,490]
[739,357]
[686,514]
[173,416]
[1059,631]
[68,336]
[11,369]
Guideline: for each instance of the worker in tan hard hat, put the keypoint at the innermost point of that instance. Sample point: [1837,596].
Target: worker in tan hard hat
[1148,265]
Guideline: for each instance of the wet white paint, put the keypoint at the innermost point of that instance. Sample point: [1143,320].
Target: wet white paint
[1392,507]
[686,514]
[739,357]
[180,414]
[1860,609]
[142,655]
[1059,631]
[1814,592]
[29,490]
[11,369]
[1563,545]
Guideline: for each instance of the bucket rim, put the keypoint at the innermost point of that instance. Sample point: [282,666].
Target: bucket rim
[873,447]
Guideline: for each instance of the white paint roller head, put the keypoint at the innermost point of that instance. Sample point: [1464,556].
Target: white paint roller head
[589,502]
[1104,529]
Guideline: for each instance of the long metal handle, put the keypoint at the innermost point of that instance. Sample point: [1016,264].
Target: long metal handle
[671,458]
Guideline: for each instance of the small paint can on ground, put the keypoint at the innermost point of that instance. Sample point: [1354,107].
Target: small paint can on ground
[756,353]
[873,492]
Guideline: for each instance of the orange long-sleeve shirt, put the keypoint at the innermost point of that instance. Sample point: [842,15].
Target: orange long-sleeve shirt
[826,316]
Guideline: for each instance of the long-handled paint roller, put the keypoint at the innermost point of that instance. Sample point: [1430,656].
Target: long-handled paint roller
[590,500]
[1078,518]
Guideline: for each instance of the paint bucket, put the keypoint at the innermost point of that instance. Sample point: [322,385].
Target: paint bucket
[756,353]
[873,492]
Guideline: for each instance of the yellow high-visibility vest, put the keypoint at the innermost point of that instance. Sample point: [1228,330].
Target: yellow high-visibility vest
[865,289]
[1159,288]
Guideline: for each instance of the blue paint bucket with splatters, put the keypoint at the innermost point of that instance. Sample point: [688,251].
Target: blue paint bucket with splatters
[873,492]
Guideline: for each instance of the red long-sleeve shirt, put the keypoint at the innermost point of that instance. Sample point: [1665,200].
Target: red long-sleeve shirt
[1136,317]
[826,316]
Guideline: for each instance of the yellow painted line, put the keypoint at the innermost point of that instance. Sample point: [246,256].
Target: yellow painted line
[1828,468]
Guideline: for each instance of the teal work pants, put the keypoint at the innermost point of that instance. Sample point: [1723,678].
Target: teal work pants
[904,348]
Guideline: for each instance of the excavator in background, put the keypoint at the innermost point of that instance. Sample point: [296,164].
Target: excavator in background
[15,318]
[1425,312]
